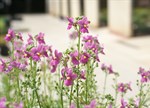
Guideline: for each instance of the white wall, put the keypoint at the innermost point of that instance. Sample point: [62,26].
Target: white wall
[54,7]
[120,16]
[92,11]
[64,8]
[75,8]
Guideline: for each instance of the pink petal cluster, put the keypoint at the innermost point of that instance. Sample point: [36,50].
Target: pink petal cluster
[10,35]
[91,105]
[3,102]
[55,60]
[40,38]
[145,75]
[124,87]
[18,105]
[106,68]
[83,23]
[68,76]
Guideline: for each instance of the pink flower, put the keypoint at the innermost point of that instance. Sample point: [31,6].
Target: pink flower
[137,103]
[91,105]
[73,35]
[124,104]
[108,69]
[145,77]
[30,40]
[26,54]
[18,45]
[110,106]
[70,77]
[19,36]
[83,23]
[40,38]
[3,102]
[82,75]
[103,67]
[71,22]
[10,35]
[84,58]
[54,61]
[141,70]
[124,87]
[20,105]
[38,52]
[91,43]
[72,106]
[2,65]
[74,57]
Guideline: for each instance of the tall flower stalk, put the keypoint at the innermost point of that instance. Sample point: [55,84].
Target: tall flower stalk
[72,78]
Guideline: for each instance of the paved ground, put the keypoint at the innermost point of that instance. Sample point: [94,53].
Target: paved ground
[126,55]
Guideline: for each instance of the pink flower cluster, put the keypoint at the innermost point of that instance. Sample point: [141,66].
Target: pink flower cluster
[124,87]
[83,24]
[145,75]
[3,104]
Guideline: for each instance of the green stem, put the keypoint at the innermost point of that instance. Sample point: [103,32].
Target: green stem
[61,95]
[8,87]
[32,100]
[116,92]
[141,87]
[12,52]
[105,82]
[71,94]
[34,76]
[26,100]
[79,36]
[38,98]
[18,85]
[87,74]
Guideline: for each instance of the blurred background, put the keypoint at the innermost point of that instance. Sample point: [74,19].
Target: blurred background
[123,27]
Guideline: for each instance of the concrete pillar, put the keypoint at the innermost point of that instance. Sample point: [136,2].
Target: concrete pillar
[75,8]
[91,9]
[120,16]
[57,7]
[65,8]
[54,7]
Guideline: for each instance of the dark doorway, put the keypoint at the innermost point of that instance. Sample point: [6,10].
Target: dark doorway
[38,6]
[102,13]
[141,17]
[23,6]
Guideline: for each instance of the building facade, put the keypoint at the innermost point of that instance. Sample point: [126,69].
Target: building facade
[116,14]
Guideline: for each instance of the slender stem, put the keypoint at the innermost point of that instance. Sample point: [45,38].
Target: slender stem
[32,100]
[34,76]
[86,82]
[38,98]
[18,85]
[26,100]
[61,95]
[12,52]
[141,88]
[105,82]
[86,97]
[79,36]
[9,87]
[71,94]
[116,93]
